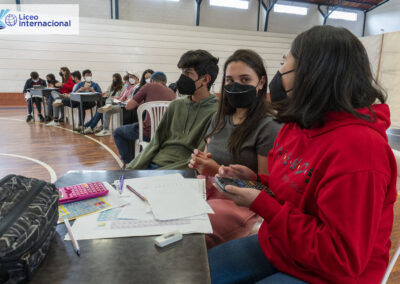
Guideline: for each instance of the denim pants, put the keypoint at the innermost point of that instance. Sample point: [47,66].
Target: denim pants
[93,122]
[37,102]
[56,110]
[124,137]
[243,261]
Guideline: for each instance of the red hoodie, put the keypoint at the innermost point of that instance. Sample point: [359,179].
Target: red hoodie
[333,213]
[67,86]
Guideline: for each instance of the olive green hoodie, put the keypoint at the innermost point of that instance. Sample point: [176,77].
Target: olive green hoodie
[181,130]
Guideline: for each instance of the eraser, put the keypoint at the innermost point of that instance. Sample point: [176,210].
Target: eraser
[168,238]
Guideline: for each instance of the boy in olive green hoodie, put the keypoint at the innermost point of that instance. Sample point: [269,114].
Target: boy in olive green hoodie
[185,123]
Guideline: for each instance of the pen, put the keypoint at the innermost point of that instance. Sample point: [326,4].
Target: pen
[121,183]
[71,236]
[136,193]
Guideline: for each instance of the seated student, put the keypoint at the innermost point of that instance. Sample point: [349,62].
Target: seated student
[331,169]
[114,105]
[66,88]
[184,124]
[85,86]
[126,81]
[126,135]
[77,78]
[113,91]
[34,80]
[242,132]
[51,83]
[130,116]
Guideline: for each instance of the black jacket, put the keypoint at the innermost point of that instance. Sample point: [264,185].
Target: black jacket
[29,85]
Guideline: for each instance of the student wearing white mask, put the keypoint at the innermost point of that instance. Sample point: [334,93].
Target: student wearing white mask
[114,105]
[87,85]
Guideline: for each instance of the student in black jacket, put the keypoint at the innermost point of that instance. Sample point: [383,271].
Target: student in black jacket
[34,80]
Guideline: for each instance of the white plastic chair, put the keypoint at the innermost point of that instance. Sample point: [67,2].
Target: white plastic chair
[391,264]
[155,111]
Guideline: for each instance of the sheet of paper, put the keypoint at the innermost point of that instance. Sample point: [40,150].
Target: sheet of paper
[169,196]
[89,227]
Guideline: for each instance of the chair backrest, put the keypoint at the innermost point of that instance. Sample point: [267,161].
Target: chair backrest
[155,110]
[391,264]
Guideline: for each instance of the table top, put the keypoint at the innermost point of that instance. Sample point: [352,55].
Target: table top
[123,260]
[85,97]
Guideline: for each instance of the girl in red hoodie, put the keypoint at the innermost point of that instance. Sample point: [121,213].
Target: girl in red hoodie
[332,173]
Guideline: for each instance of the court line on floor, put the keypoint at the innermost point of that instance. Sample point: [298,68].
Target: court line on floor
[53,176]
[117,159]
[108,149]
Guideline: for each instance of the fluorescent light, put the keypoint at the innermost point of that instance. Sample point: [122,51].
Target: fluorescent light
[240,4]
[173,0]
[348,16]
[279,8]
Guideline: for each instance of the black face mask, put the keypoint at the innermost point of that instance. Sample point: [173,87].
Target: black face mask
[186,86]
[276,90]
[240,96]
[61,74]
[48,81]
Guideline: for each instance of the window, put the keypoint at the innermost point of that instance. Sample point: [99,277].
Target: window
[278,8]
[347,16]
[239,4]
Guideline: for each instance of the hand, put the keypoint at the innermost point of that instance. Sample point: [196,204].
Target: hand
[240,195]
[237,171]
[203,163]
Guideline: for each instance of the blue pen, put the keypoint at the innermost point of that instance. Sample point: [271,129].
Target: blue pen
[121,183]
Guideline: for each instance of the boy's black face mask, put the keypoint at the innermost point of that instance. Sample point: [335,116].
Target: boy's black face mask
[186,86]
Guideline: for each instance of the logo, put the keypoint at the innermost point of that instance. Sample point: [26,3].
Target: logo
[11,20]
[3,12]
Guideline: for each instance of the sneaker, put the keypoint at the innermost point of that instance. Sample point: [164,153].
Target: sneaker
[53,123]
[78,129]
[98,129]
[104,132]
[29,118]
[61,120]
[57,103]
[41,118]
[47,118]
[105,108]
[88,130]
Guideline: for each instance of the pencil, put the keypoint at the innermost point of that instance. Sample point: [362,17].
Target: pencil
[136,193]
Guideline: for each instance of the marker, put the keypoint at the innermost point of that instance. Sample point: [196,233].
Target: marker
[71,236]
[121,183]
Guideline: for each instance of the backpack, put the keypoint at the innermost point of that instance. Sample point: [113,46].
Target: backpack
[28,220]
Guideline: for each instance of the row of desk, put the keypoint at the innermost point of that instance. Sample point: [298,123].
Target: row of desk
[81,98]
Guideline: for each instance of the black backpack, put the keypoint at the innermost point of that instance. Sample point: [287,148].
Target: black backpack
[28,220]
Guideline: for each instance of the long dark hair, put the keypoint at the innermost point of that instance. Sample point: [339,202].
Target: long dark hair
[52,78]
[332,74]
[143,79]
[117,85]
[67,74]
[257,110]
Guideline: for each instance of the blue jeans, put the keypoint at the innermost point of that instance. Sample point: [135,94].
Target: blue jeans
[124,137]
[243,261]
[153,166]
[93,122]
